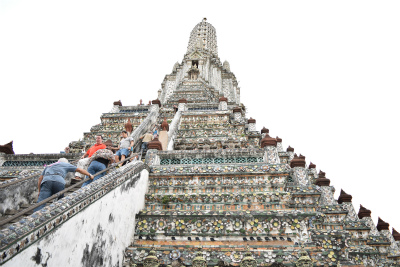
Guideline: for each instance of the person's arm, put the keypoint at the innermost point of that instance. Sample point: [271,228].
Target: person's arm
[85,155]
[131,145]
[85,172]
[39,182]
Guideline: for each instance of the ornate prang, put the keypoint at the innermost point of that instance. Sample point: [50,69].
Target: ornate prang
[164,125]
[278,139]
[363,212]
[382,225]
[395,235]
[344,197]
[290,149]
[203,37]
[7,148]
[248,260]
[304,260]
[199,260]
[268,141]
[299,161]
[151,260]
[312,165]
[322,180]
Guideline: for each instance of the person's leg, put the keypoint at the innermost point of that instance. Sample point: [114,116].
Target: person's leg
[94,168]
[57,187]
[91,170]
[99,167]
[125,153]
[117,155]
[45,192]
[122,159]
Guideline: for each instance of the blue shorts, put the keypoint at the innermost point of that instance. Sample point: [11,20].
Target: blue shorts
[122,151]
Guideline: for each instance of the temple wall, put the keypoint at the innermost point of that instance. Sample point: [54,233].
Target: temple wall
[96,236]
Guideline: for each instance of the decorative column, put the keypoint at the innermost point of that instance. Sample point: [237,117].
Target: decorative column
[264,131]
[365,215]
[223,103]
[396,236]
[383,228]
[279,144]
[182,104]
[270,154]
[252,124]
[163,137]
[312,173]
[290,151]
[152,158]
[345,200]
[326,190]
[237,114]
[298,165]
[116,106]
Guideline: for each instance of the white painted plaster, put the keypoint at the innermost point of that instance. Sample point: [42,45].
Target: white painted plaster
[105,228]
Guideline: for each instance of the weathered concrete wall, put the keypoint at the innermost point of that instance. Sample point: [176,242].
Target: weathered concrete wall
[96,236]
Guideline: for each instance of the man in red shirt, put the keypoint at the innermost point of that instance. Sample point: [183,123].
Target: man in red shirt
[84,161]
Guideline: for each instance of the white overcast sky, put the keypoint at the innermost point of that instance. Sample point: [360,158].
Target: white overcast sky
[322,75]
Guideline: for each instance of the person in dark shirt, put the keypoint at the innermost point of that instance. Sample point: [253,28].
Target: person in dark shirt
[52,179]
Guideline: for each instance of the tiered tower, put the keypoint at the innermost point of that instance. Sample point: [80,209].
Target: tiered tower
[219,192]
[234,193]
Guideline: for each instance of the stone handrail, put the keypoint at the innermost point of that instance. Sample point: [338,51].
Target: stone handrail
[51,218]
[173,128]
[147,124]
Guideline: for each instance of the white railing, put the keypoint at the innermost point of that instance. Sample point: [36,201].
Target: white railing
[173,129]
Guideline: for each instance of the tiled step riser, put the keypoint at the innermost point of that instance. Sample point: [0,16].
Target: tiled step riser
[220,180]
[220,197]
[219,207]
[264,255]
[223,226]
[289,239]
[209,189]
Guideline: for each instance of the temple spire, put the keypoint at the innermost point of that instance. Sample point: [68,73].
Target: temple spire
[203,36]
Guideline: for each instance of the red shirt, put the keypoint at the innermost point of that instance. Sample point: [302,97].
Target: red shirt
[94,148]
